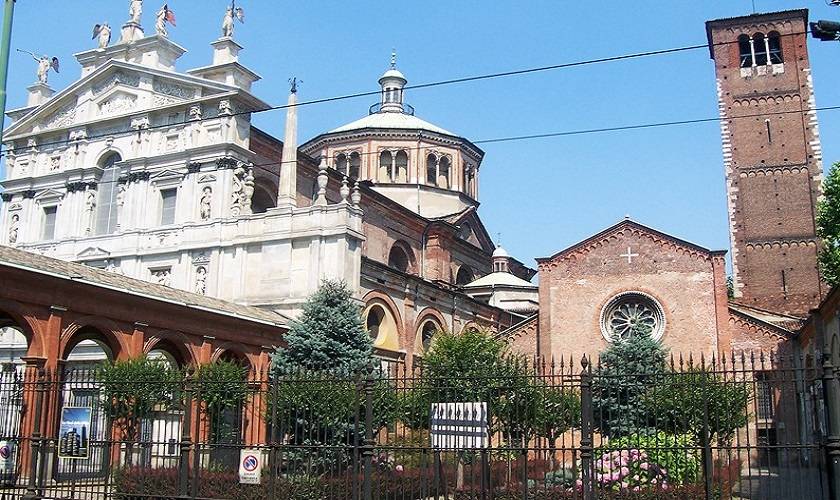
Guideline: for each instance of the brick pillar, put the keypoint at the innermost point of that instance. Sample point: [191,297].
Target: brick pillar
[724,334]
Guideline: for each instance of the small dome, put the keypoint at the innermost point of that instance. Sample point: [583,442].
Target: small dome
[500,252]
[393,73]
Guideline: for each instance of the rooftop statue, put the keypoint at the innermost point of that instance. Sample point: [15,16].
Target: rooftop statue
[232,12]
[103,31]
[135,11]
[163,16]
[45,63]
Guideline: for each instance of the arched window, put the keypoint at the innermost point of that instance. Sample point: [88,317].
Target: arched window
[341,163]
[398,258]
[355,165]
[375,318]
[402,167]
[465,275]
[760,47]
[427,333]
[745,51]
[106,206]
[443,172]
[431,169]
[775,43]
[263,200]
[385,160]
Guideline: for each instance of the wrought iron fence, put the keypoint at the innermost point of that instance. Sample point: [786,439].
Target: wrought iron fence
[746,426]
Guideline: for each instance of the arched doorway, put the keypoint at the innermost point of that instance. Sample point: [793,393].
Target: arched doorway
[14,346]
[80,393]
[160,433]
[227,423]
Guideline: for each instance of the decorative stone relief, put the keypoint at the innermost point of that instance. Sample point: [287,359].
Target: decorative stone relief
[200,280]
[164,100]
[225,107]
[118,78]
[55,163]
[172,89]
[162,276]
[62,117]
[243,190]
[116,104]
[206,202]
[112,267]
[201,258]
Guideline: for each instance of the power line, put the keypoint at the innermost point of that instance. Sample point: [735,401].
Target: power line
[489,76]
[564,133]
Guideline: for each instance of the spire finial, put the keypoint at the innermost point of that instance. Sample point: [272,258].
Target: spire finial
[294,83]
[393,58]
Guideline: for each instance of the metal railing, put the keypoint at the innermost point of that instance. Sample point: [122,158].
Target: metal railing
[407,109]
[746,426]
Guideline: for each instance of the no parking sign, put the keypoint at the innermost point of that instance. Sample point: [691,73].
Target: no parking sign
[250,466]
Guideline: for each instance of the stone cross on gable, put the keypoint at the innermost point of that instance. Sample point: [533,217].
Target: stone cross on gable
[629,255]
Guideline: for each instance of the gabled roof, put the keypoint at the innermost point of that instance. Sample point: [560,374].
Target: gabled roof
[470,215]
[786,323]
[114,65]
[629,223]
[82,274]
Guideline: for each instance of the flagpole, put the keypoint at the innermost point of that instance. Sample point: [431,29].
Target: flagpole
[5,49]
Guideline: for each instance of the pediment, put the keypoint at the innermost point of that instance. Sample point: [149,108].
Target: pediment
[113,88]
[627,241]
[472,230]
[166,175]
[49,194]
[206,178]
[93,252]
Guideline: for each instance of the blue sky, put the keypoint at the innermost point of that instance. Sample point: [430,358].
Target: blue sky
[542,195]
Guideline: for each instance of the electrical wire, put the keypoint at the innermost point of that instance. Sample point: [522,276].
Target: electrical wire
[453,81]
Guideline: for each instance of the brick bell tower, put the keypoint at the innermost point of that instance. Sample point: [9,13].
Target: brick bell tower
[771,156]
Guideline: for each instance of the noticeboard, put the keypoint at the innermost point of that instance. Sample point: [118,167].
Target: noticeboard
[459,426]
[74,433]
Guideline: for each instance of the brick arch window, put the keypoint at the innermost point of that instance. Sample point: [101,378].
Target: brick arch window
[443,172]
[385,173]
[745,51]
[341,163]
[427,331]
[355,166]
[760,47]
[431,169]
[465,275]
[401,164]
[399,257]
[774,42]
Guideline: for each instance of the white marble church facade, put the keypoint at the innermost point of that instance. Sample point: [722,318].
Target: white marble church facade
[158,174]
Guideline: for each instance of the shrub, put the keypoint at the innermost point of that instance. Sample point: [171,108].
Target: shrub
[628,470]
[677,455]
[222,387]
[684,400]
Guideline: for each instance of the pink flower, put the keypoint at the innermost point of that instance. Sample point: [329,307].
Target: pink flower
[644,466]
[625,471]
[398,468]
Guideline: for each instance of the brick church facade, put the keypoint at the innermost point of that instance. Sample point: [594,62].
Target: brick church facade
[593,292]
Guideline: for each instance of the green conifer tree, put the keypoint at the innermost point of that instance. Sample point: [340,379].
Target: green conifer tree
[329,335]
[627,370]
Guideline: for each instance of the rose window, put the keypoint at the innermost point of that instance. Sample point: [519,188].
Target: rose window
[631,312]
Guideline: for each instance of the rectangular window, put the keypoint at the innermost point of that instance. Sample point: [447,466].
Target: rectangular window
[167,206]
[763,397]
[49,223]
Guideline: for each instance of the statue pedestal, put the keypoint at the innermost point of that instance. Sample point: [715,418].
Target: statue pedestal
[225,51]
[131,32]
[39,93]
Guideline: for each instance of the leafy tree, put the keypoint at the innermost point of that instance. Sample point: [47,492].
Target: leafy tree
[685,399]
[330,335]
[222,387]
[828,227]
[133,390]
[730,287]
[627,370]
[557,411]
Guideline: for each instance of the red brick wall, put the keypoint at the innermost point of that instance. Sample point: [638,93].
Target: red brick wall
[773,181]
[575,285]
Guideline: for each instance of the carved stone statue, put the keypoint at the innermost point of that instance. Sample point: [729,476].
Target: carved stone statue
[162,277]
[205,209]
[201,280]
[90,210]
[163,16]
[103,32]
[231,13]
[248,189]
[13,229]
[44,65]
[135,11]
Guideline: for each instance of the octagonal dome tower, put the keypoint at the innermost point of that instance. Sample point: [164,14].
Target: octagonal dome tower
[422,166]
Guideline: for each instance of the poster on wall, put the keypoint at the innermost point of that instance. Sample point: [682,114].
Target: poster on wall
[74,433]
